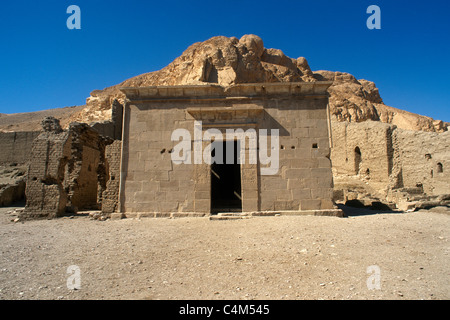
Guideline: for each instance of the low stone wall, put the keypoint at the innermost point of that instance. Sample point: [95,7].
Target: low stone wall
[16,146]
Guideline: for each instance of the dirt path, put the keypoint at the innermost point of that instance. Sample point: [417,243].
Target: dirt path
[302,257]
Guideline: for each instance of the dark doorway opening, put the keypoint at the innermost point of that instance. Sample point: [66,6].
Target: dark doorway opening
[226,178]
[357,160]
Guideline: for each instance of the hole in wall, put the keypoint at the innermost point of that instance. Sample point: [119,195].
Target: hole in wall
[162,151]
[357,159]
[428,156]
[314,146]
[440,167]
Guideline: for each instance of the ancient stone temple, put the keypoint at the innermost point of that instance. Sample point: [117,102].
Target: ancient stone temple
[288,121]
[231,128]
[227,128]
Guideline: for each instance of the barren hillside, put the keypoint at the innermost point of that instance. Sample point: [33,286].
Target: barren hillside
[31,121]
[228,61]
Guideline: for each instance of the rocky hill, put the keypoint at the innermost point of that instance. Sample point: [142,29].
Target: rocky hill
[355,100]
[228,61]
[31,121]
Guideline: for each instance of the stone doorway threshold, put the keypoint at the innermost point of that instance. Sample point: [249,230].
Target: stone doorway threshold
[229,215]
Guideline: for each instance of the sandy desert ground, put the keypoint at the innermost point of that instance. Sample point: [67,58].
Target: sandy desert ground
[300,257]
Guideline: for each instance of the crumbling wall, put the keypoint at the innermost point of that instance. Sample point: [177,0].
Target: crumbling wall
[86,168]
[50,152]
[402,164]
[16,146]
[67,170]
[111,193]
[425,160]
[363,150]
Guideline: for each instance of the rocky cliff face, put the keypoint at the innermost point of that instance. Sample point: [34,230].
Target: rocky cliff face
[355,100]
[228,61]
[220,60]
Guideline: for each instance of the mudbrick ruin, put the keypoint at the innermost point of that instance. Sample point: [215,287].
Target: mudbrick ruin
[338,143]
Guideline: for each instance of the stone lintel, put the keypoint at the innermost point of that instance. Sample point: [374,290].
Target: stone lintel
[239,91]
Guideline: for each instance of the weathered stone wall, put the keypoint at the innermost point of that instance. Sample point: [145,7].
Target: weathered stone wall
[111,194]
[153,184]
[390,159]
[87,176]
[363,150]
[304,181]
[85,194]
[16,146]
[425,160]
[45,191]
[67,170]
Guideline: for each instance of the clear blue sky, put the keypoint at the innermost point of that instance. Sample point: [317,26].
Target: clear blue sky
[45,65]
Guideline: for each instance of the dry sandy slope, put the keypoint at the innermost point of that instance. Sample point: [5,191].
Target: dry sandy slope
[302,257]
[31,121]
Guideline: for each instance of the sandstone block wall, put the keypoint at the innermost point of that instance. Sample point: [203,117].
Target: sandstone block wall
[424,159]
[44,191]
[152,183]
[304,180]
[16,146]
[110,196]
[67,170]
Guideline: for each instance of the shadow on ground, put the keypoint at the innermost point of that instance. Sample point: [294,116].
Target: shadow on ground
[364,211]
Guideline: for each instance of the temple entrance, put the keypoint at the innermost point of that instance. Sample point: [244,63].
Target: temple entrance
[226,178]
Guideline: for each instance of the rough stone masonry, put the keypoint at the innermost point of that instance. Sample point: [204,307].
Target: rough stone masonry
[152,185]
